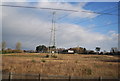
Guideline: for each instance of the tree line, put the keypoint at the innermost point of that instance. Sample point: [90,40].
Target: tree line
[17,49]
[78,50]
[45,49]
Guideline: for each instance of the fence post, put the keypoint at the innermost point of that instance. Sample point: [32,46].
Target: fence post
[10,76]
[69,78]
[100,78]
[39,77]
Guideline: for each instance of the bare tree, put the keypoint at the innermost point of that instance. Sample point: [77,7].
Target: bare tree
[3,45]
[18,46]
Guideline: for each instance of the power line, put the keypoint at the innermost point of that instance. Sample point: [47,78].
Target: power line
[106,25]
[64,16]
[101,26]
[112,7]
[69,14]
[97,16]
[58,9]
[40,8]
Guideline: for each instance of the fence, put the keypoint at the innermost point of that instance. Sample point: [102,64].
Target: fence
[40,77]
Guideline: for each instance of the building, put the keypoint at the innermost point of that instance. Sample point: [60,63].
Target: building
[67,52]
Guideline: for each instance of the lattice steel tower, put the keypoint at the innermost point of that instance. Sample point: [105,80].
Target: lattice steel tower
[52,43]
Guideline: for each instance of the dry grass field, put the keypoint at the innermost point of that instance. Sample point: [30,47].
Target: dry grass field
[86,66]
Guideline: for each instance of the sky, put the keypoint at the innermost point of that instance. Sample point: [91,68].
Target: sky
[32,27]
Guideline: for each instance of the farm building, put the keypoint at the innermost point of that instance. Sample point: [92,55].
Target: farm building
[67,51]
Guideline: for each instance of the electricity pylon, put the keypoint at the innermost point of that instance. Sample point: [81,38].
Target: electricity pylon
[52,44]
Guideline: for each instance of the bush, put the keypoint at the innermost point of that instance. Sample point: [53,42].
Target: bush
[43,60]
[54,56]
[47,56]
[88,71]
[76,61]
[33,61]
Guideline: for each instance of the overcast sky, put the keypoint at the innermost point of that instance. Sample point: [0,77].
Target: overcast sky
[32,27]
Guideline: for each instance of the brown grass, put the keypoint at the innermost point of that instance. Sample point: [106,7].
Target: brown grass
[65,64]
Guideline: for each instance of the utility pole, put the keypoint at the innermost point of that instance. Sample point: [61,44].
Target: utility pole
[52,44]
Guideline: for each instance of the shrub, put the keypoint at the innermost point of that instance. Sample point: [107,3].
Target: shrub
[47,56]
[88,71]
[43,60]
[97,66]
[54,56]
[33,61]
[76,61]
